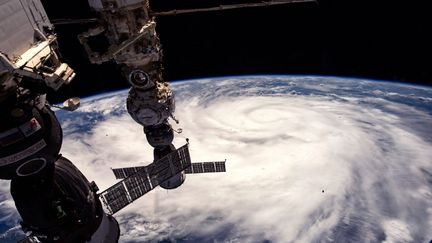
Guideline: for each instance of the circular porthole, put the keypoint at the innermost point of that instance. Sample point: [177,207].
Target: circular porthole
[31,167]
[140,79]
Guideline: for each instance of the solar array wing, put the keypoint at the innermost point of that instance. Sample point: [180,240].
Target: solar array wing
[121,173]
[29,239]
[195,168]
[206,167]
[144,179]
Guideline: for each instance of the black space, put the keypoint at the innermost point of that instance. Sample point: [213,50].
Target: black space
[386,40]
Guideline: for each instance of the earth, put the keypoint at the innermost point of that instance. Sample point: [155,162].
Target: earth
[309,159]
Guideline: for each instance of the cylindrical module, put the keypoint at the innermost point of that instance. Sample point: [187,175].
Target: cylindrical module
[30,140]
[62,206]
[54,199]
[176,180]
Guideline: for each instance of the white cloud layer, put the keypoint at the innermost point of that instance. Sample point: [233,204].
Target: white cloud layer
[302,166]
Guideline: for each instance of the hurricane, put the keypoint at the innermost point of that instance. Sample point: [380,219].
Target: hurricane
[309,159]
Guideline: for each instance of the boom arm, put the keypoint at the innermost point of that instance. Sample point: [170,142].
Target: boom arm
[228,7]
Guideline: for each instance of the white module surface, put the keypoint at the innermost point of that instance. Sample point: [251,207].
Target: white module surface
[18,21]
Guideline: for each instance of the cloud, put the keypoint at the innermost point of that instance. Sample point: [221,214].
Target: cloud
[300,167]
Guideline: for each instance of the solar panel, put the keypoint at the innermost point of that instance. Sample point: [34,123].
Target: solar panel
[195,168]
[29,239]
[121,173]
[188,170]
[220,166]
[143,179]
[116,197]
[206,167]
[118,173]
[209,167]
[137,186]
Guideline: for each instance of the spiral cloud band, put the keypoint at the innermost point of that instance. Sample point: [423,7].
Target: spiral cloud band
[309,159]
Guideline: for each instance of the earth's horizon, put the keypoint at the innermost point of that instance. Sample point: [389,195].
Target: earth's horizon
[179,81]
[309,159]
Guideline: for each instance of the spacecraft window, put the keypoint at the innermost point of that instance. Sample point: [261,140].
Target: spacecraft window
[31,167]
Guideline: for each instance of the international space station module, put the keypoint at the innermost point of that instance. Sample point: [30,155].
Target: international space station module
[54,199]
[56,202]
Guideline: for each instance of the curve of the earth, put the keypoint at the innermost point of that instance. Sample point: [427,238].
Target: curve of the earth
[309,159]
